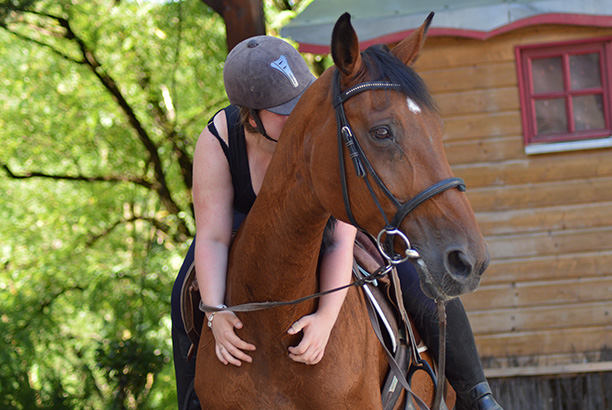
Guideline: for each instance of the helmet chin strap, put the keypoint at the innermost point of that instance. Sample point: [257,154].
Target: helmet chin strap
[260,126]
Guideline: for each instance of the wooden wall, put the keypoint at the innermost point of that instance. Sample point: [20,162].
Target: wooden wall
[547,297]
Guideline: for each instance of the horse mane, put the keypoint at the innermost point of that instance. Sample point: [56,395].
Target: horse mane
[382,65]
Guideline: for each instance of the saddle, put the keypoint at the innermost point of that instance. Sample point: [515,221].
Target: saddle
[381,299]
[193,317]
[384,307]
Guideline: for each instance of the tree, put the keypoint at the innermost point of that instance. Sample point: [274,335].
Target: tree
[243,18]
[100,105]
[246,18]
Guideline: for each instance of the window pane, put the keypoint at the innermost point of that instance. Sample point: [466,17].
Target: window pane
[547,74]
[588,112]
[584,71]
[550,116]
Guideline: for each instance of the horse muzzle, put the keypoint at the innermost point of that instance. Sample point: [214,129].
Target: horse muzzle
[458,272]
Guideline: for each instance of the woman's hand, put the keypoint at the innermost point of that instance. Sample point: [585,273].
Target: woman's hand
[228,346]
[316,328]
[335,272]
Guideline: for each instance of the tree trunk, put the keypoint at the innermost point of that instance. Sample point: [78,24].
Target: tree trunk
[243,18]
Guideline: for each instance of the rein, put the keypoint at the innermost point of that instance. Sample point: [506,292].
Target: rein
[257,306]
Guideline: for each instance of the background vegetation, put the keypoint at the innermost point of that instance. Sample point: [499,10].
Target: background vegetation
[101,102]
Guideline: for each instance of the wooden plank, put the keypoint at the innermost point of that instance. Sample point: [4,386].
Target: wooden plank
[550,243]
[545,360]
[548,267]
[478,101]
[529,294]
[549,218]
[544,342]
[443,52]
[484,150]
[480,126]
[561,167]
[573,368]
[541,318]
[539,195]
[468,78]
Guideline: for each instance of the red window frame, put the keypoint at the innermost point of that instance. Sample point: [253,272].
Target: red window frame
[524,56]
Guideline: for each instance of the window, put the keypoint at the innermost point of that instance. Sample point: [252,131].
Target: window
[565,95]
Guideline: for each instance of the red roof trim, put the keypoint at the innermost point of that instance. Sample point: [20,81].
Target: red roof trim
[555,18]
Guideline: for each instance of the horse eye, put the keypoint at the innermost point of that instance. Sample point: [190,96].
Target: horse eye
[381,133]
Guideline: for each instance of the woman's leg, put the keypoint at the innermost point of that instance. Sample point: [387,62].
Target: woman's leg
[463,368]
[184,370]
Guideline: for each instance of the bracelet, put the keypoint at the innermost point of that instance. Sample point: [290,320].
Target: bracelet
[212,315]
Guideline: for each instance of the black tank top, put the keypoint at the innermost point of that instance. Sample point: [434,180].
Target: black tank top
[236,153]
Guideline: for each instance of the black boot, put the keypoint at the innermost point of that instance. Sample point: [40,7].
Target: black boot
[478,397]
[463,368]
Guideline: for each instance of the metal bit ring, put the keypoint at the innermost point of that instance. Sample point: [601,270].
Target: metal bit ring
[394,260]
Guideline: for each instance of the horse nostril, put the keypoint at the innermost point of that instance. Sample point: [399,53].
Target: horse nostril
[459,264]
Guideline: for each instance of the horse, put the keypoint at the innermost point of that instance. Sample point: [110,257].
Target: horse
[396,129]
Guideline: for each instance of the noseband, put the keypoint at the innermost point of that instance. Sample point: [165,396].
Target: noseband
[363,168]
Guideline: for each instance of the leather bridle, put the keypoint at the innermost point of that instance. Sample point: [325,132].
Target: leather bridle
[363,169]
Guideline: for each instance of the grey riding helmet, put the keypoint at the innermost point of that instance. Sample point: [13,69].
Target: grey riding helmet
[265,72]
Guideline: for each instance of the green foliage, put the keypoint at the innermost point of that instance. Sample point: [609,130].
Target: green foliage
[129,365]
[90,246]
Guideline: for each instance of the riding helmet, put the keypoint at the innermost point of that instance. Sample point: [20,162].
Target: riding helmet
[265,72]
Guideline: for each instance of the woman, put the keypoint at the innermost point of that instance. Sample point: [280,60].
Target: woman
[264,78]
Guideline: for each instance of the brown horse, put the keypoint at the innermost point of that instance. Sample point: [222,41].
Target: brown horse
[274,255]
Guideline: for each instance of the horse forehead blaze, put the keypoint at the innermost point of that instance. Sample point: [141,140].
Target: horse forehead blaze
[412,106]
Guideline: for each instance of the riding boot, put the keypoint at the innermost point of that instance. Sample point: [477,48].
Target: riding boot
[463,368]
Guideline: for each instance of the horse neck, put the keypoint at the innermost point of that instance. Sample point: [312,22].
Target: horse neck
[275,254]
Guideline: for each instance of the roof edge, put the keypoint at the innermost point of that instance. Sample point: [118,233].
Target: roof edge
[550,18]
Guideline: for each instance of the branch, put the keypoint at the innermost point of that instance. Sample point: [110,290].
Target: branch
[216,5]
[161,186]
[51,298]
[157,224]
[43,44]
[90,60]
[102,178]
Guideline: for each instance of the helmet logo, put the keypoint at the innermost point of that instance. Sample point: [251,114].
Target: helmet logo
[283,66]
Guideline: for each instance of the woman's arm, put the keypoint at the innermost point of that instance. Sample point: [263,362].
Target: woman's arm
[336,268]
[213,195]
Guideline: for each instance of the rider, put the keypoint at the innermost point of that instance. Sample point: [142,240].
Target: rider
[264,78]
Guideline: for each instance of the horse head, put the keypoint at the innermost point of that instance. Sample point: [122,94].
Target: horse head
[392,153]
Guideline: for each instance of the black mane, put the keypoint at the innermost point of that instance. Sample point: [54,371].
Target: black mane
[382,65]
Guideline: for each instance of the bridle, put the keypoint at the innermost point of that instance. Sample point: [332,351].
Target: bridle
[364,168]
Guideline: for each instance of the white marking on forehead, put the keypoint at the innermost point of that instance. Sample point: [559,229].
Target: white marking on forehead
[412,106]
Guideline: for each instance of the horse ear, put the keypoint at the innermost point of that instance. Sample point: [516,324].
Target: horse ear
[408,49]
[345,45]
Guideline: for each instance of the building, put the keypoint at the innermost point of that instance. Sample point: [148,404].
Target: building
[525,90]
